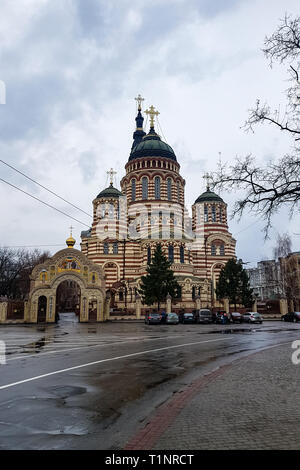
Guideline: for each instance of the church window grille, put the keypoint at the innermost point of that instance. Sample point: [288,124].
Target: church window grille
[213,250]
[171,253]
[205,213]
[157,187]
[222,250]
[111,211]
[220,214]
[115,248]
[133,189]
[105,248]
[181,254]
[145,187]
[213,214]
[169,189]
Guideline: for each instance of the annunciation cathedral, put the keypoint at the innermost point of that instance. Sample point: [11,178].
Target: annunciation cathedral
[150,209]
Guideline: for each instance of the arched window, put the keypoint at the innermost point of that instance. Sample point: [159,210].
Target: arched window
[111,211]
[105,248]
[171,253]
[220,213]
[181,254]
[213,250]
[213,214]
[169,189]
[222,250]
[145,187]
[178,191]
[133,189]
[149,255]
[193,292]
[115,248]
[205,213]
[157,187]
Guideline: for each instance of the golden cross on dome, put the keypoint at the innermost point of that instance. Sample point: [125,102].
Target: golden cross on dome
[139,100]
[111,174]
[71,231]
[152,113]
[207,177]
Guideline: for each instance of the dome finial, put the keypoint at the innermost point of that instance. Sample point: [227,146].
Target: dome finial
[111,174]
[70,241]
[139,100]
[152,113]
[207,177]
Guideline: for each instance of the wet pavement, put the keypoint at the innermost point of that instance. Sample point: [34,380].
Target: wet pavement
[94,386]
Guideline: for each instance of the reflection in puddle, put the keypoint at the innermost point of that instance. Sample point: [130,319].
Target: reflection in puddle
[249,330]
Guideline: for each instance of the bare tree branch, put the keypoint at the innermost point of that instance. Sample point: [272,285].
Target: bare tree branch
[277,184]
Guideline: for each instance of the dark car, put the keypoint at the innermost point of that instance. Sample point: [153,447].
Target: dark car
[186,318]
[204,315]
[151,318]
[236,317]
[291,316]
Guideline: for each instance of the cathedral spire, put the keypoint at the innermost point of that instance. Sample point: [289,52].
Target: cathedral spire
[139,132]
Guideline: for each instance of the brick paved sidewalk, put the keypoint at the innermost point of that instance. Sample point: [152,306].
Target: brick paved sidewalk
[251,404]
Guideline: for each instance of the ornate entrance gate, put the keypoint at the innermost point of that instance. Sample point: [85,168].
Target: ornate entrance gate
[74,267]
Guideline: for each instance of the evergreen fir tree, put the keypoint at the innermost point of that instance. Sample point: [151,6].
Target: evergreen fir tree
[159,281]
[234,284]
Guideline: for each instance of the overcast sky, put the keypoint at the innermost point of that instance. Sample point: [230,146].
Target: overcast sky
[72,69]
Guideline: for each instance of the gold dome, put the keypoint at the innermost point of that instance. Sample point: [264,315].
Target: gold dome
[70,242]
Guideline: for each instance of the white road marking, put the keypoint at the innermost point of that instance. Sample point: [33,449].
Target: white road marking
[3,387]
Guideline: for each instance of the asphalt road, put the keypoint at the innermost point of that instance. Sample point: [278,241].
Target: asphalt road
[93,386]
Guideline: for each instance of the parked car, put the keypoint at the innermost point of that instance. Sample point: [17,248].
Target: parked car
[152,317]
[172,318]
[204,315]
[252,317]
[291,316]
[236,317]
[186,318]
[221,317]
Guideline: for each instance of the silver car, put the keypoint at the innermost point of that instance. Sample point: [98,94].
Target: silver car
[252,317]
[172,318]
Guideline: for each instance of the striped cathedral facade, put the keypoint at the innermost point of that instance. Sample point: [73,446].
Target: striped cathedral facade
[150,209]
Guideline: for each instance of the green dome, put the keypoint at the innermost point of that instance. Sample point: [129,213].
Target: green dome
[209,196]
[110,192]
[152,146]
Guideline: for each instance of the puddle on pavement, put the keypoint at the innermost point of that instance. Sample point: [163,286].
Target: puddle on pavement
[36,345]
[67,391]
[248,330]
